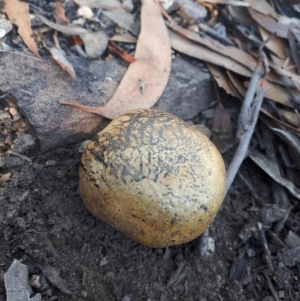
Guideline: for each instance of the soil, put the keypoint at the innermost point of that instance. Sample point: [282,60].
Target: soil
[44,223]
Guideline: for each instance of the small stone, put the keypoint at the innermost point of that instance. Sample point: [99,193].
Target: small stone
[23,143]
[48,292]
[50,163]
[128,5]
[20,223]
[37,297]
[190,11]
[13,111]
[79,22]
[194,28]
[281,294]
[292,240]
[104,261]
[166,4]
[84,294]
[4,115]
[5,27]
[85,12]
[83,145]
[5,177]
[16,282]
[68,125]
[203,129]
[10,162]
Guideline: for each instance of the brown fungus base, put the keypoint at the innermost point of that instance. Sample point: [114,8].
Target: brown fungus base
[153,177]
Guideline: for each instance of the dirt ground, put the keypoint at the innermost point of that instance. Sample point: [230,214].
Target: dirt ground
[44,223]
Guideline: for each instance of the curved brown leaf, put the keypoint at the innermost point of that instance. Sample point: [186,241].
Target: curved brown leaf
[146,78]
[231,52]
[18,14]
[269,24]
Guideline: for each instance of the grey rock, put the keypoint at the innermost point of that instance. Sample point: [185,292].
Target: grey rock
[292,240]
[38,86]
[10,162]
[52,274]
[16,282]
[23,143]
[189,90]
[191,11]
[290,257]
[37,297]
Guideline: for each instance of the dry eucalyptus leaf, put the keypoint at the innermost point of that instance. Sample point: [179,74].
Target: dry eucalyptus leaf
[18,14]
[269,24]
[237,83]
[95,42]
[231,2]
[294,130]
[273,171]
[263,7]
[60,14]
[222,124]
[221,78]
[240,15]
[286,73]
[290,139]
[200,52]
[118,15]
[124,38]
[61,60]
[294,39]
[284,64]
[276,45]
[146,78]
[248,35]
[231,52]
[69,30]
[292,117]
[277,93]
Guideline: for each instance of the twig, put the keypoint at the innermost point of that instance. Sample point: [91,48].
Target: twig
[280,224]
[176,275]
[20,156]
[213,33]
[265,247]
[277,240]
[271,288]
[251,188]
[251,115]
[4,94]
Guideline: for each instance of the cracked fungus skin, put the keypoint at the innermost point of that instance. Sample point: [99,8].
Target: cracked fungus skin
[153,177]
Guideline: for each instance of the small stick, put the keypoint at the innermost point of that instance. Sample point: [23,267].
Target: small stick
[20,156]
[280,224]
[265,247]
[271,288]
[213,33]
[245,136]
[249,115]
[277,240]
[251,188]
[176,275]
